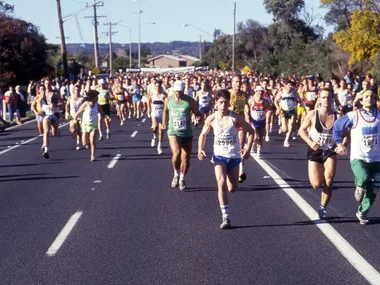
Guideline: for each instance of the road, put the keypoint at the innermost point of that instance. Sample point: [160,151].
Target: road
[66,220]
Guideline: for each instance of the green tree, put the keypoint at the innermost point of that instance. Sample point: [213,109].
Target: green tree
[284,10]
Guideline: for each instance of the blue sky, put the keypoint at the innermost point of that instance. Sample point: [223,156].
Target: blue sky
[169,16]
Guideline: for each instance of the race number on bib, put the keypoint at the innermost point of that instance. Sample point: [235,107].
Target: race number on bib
[120,97]
[324,139]
[224,142]
[179,123]
[157,110]
[258,115]
[370,142]
[311,96]
[102,100]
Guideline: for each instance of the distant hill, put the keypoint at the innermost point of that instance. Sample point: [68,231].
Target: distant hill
[157,48]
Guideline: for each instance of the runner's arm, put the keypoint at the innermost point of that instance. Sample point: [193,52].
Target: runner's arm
[194,108]
[241,122]
[203,135]
[165,115]
[80,110]
[306,124]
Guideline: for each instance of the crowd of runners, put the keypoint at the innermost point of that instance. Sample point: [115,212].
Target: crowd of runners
[241,109]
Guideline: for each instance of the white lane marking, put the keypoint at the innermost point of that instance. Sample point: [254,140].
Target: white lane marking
[92,189]
[98,181]
[28,122]
[134,134]
[114,161]
[62,236]
[352,256]
[143,120]
[24,142]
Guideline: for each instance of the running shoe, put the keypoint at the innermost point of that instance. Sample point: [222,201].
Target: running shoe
[153,143]
[46,154]
[294,136]
[286,144]
[267,139]
[108,136]
[175,181]
[182,184]
[86,146]
[242,178]
[226,223]
[159,150]
[279,131]
[92,158]
[253,148]
[362,218]
[322,212]
[78,147]
[359,193]
[100,138]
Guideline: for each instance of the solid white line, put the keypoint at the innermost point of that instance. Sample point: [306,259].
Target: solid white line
[24,142]
[114,161]
[352,256]
[64,234]
[134,134]
[28,122]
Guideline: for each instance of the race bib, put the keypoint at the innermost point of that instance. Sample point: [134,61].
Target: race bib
[157,110]
[120,97]
[370,142]
[224,142]
[258,115]
[311,96]
[179,123]
[324,139]
[102,100]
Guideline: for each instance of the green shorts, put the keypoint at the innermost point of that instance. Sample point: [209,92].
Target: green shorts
[89,127]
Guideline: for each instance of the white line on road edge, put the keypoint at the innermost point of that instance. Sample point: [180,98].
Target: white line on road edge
[64,234]
[134,134]
[114,161]
[25,142]
[353,257]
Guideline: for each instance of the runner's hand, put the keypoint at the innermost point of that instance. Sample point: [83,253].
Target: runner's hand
[314,146]
[201,155]
[163,126]
[244,153]
[341,150]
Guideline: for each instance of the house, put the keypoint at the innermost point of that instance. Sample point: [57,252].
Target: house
[166,61]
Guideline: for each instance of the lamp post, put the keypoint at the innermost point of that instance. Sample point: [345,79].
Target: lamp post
[139,47]
[200,40]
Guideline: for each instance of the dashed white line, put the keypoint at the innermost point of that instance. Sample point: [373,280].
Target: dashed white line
[113,161]
[134,134]
[62,236]
[98,181]
[352,256]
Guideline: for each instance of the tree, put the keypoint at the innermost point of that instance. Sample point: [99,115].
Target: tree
[23,51]
[361,38]
[6,8]
[284,10]
[339,11]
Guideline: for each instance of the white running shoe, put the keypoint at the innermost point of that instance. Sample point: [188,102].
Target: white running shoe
[153,143]
[286,144]
[267,139]
[159,150]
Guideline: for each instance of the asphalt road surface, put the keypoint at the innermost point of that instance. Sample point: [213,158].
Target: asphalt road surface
[66,220]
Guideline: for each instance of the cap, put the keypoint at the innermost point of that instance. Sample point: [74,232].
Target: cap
[259,88]
[179,85]
[102,81]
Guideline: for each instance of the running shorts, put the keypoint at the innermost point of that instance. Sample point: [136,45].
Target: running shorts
[230,162]
[319,156]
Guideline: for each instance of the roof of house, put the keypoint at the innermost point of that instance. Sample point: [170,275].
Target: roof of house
[173,57]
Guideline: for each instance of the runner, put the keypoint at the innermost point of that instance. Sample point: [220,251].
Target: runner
[204,99]
[311,93]
[177,111]
[288,99]
[72,106]
[134,90]
[321,151]
[157,97]
[118,92]
[104,98]
[37,110]
[239,104]
[365,152]
[258,106]
[227,151]
[90,110]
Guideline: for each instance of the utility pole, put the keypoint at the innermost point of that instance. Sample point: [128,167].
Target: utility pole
[233,39]
[110,33]
[213,47]
[96,23]
[200,48]
[63,43]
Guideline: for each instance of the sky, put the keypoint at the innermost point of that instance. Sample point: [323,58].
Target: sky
[169,17]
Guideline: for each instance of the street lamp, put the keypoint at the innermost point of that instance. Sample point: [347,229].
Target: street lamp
[200,40]
[139,12]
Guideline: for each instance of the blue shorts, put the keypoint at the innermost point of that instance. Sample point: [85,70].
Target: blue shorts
[136,98]
[205,109]
[230,162]
[258,124]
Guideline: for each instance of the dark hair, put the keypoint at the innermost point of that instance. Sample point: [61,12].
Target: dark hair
[91,94]
[222,93]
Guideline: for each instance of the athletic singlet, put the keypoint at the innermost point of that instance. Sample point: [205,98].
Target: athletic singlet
[204,98]
[46,104]
[258,110]
[288,101]
[311,96]
[74,107]
[238,102]
[343,97]
[226,141]
[322,135]
[365,136]
[90,115]
[103,96]
[180,117]
[157,105]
